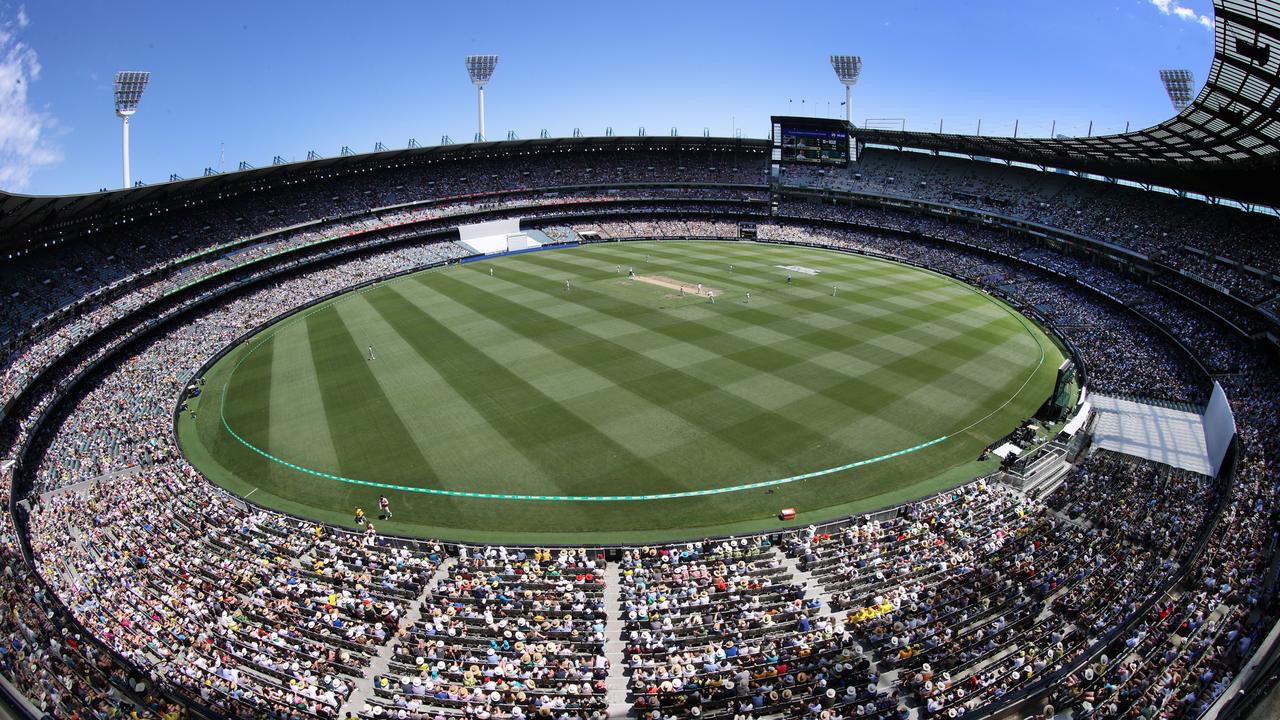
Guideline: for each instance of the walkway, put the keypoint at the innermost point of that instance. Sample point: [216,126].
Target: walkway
[382,661]
[805,579]
[614,645]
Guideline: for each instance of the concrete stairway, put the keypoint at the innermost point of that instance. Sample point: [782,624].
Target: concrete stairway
[614,643]
[382,661]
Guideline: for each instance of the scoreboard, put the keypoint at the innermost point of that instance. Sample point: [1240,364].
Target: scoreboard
[811,141]
[809,145]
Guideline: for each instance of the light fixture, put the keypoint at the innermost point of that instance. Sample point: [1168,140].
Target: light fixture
[129,87]
[848,68]
[480,68]
[1178,84]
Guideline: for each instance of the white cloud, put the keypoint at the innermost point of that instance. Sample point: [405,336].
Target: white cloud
[1171,7]
[24,144]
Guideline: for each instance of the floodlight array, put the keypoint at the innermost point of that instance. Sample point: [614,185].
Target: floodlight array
[1178,84]
[129,87]
[480,67]
[847,67]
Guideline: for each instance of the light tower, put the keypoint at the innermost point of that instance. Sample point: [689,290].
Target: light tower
[480,68]
[129,87]
[847,68]
[1178,84]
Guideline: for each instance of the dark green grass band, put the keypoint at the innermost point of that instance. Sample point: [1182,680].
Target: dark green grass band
[616,498]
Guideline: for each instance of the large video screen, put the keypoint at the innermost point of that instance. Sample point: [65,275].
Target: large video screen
[814,145]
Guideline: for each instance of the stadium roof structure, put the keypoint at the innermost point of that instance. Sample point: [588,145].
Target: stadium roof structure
[22,215]
[1224,144]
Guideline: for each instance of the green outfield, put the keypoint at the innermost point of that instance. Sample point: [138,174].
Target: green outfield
[503,406]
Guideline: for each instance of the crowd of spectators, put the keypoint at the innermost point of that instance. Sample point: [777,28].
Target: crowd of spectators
[124,419]
[244,609]
[1128,356]
[723,629]
[975,594]
[119,289]
[1233,249]
[1125,354]
[948,605]
[505,632]
[61,672]
[112,539]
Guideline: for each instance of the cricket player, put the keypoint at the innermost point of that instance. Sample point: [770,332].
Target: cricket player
[371,357]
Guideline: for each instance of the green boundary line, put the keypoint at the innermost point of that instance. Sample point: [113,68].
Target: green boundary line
[621,498]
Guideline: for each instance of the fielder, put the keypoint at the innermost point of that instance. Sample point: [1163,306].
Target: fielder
[371,357]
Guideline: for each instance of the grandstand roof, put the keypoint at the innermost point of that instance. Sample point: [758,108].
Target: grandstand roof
[20,215]
[1225,144]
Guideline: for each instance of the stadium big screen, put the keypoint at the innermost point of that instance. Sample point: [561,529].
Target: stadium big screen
[812,141]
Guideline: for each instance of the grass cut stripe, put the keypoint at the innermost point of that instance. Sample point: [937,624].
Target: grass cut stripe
[787,360]
[351,395]
[294,402]
[664,386]
[255,379]
[477,375]
[510,389]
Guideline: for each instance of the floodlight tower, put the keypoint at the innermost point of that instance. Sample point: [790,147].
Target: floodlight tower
[847,68]
[480,68]
[1178,84]
[129,87]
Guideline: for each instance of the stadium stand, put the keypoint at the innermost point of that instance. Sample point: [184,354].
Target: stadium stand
[131,585]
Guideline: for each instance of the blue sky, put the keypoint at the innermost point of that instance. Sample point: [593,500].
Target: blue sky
[262,79]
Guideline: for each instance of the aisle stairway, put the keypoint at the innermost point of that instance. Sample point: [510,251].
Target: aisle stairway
[613,645]
[806,580]
[382,661]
